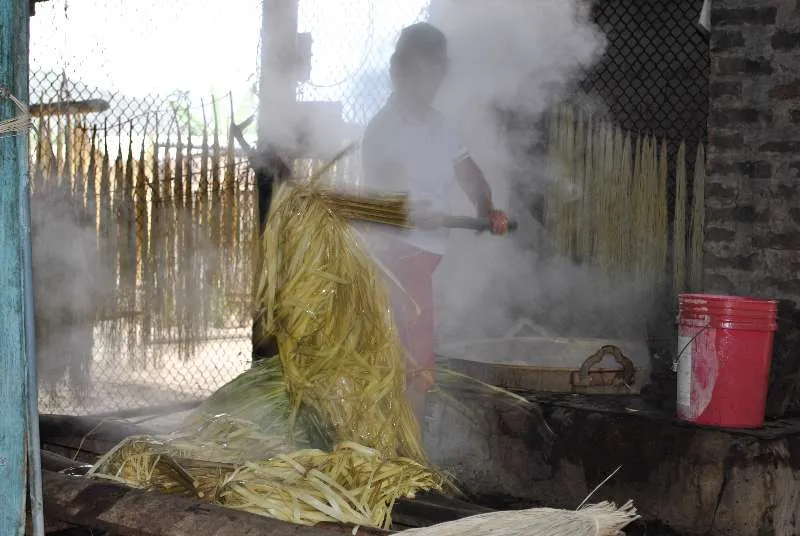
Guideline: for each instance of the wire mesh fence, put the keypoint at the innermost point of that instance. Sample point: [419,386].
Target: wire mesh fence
[144,205]
[651,86]
[142,202]
[143,236]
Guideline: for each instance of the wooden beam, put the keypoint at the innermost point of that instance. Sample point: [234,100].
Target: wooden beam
[126,511]
[86,434]
[13,183]
[91,106]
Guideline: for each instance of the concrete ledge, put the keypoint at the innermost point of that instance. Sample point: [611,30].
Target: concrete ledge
[694,480]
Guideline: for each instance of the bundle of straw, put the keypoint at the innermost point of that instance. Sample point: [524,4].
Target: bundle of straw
[603,519]
[320,296]
[352,484]
[339,385]
[257,396]
[372,207]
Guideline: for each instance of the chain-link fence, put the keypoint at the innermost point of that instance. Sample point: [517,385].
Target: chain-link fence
[144,203]
[654,76]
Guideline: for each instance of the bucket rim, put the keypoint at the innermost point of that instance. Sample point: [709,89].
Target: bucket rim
[728,325]
[720,298]
[729,310]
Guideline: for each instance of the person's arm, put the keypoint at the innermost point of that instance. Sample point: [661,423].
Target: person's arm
[473,182]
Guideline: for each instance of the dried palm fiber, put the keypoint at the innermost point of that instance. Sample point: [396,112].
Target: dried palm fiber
[698,219]
[58,172]
[590,214]
[605,179]
[580,243]
[603,519]
[259,396]
[91,179]
[319,294]
[224,462]
[141,219]
[381,208]
[564,189]
[661,222]
[679,226]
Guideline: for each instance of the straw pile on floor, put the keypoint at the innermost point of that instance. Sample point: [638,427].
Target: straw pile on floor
[225,463]
[324,432]
[603,519]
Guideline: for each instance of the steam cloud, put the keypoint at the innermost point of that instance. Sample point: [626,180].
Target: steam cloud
[518,57]
[70,283]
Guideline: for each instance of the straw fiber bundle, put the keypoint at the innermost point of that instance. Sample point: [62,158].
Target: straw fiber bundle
[257,396]
[603,519]
[616,218]
[223,463]
[320,296]
[337,390]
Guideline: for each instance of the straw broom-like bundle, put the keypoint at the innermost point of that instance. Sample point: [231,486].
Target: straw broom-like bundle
[320,296]
[603,519]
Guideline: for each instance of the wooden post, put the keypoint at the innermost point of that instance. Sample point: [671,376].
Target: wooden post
[277,93]
[276,114]
[13,178]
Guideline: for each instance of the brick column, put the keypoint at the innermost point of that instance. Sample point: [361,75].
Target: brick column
[752,236]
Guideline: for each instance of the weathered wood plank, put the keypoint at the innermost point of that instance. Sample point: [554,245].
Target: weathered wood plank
[13,170]
[89,434]
[130,512]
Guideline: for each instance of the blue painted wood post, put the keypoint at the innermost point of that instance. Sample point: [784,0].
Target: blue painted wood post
[13,177]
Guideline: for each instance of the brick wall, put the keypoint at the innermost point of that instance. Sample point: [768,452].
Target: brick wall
[752,242]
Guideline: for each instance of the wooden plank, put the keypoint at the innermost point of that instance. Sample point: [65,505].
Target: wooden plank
[89,434]
[13,173]
[130,512]
[431,509]
[69,108]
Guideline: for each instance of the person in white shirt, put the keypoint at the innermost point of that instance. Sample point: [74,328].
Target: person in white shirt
[408,147]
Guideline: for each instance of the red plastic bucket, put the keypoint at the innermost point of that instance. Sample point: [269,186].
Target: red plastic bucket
[724,356]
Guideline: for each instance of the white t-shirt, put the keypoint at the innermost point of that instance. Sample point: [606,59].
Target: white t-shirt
[422,154]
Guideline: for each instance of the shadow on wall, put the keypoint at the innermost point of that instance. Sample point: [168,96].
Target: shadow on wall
[784,393]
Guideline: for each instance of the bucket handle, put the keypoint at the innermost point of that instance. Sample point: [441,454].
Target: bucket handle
[628,371]
[686,346]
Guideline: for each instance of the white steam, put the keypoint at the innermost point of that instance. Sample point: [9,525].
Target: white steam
[70,284]
[520,57]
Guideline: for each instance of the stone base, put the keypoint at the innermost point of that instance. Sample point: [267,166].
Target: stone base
[694,480]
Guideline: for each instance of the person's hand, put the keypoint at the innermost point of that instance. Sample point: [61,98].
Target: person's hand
[498,222]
